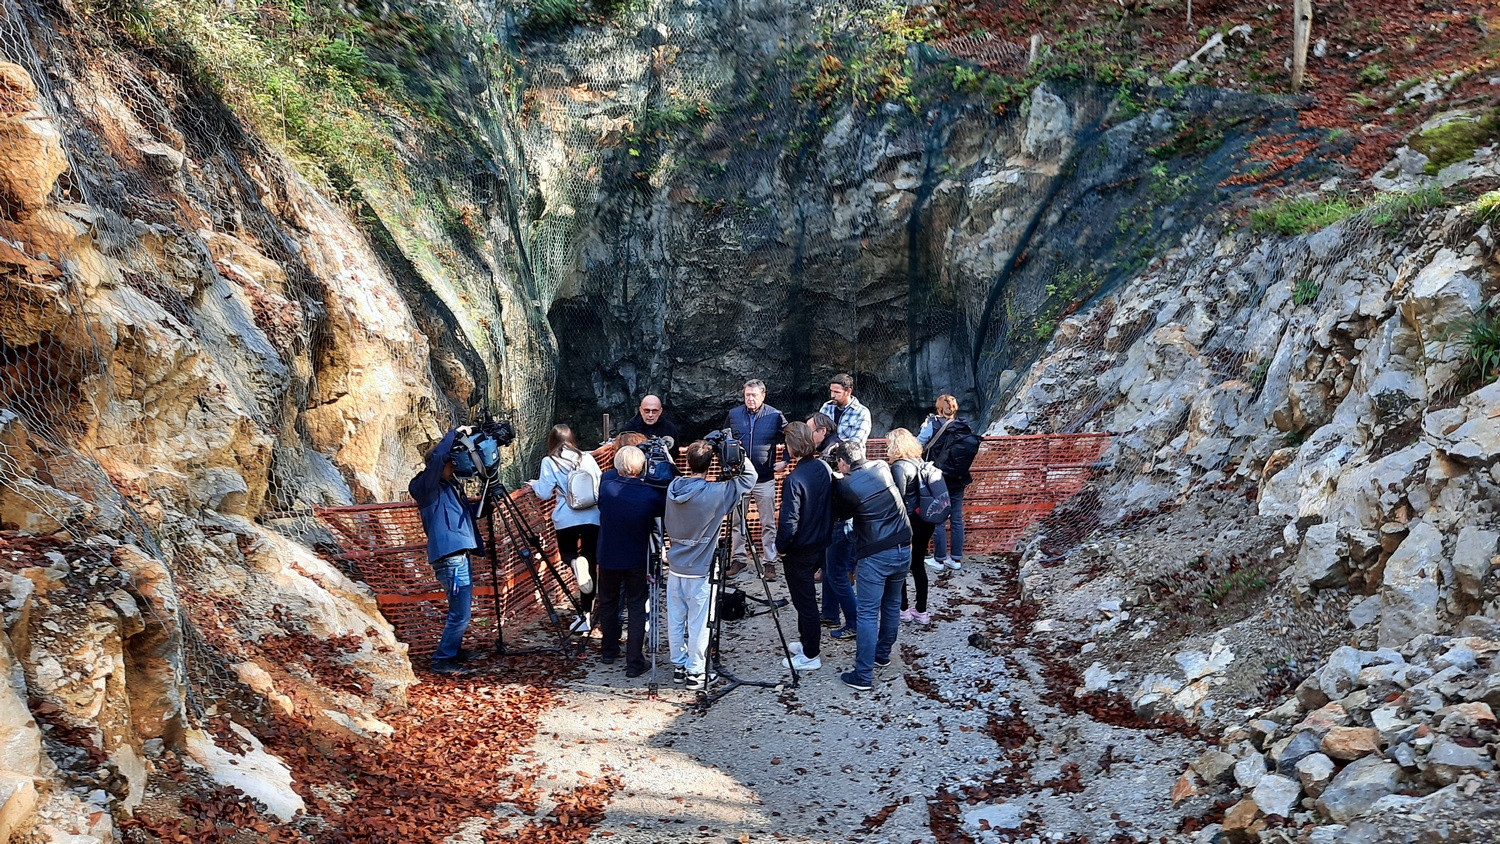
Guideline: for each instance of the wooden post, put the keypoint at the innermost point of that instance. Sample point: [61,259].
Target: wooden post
[1190,14]
[1036,49]
[1301,34]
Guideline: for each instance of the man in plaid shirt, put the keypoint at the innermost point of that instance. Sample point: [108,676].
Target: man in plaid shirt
[851,417]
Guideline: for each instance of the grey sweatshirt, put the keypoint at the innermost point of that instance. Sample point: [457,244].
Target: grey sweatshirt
[694,509]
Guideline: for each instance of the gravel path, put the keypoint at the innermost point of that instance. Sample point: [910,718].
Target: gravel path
[912,760]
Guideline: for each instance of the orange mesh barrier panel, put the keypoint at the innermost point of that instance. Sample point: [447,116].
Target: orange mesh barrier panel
[1017,480]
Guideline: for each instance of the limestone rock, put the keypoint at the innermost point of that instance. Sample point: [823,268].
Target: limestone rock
[1473,554]
[1321,563]
[31,153]
[1277,795]
[1315,772]
[255,772]
[1214,766]
[1293,750]
[1409,591]
[1249,771]
[1243,822]
[17,802]
[1447,760]
[1348,743]
[1357,787]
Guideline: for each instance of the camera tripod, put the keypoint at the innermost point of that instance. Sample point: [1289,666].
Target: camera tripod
[716,584]
[531,551]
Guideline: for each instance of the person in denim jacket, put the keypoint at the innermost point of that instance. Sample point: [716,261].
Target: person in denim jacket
[452,526]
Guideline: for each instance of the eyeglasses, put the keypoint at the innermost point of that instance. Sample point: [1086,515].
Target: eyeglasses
[651,410]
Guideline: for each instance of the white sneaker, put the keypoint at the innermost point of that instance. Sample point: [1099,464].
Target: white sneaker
[952,564]
[802,663]
[699,682]
[795,648]
[933,564]
[581,625]
[908,615]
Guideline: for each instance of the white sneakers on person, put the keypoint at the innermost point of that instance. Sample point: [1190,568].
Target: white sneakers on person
[908,615]
[581,625]
[935,565]
[921,618]
[953,565]
[802,663]
[699,682]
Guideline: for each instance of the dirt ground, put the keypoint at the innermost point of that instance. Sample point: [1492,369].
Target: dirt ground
[956,742]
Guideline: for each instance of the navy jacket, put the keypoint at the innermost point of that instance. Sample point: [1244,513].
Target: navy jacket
[760,434]
[806,522]
[628,509]
[448,516]
[869,495]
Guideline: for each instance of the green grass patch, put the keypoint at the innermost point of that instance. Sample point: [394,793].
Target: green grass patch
[1303,214]
[1305,292]
[1479,337]
[1456,141]
[1394,210]
[1487,207]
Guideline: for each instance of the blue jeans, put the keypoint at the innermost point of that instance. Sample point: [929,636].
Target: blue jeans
[880,577]
[453,573]
[956,524]
[838,594]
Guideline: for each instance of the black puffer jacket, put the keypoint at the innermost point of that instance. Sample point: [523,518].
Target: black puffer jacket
[870,497]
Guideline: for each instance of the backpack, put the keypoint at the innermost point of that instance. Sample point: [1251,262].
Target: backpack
[580,487]
[953,449]
[933,503]
[732,605]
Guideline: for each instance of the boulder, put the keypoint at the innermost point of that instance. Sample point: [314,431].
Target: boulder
[1214,766]
[1277,795]
[1248,772]
[1409,591]
[1243,823]
[17,803]
[1447,760]
[1356,788]
[1473,554]
[1322,562]
[1340,671]
[1293,750]
[1348,743]
[1315,772]
[1322,720]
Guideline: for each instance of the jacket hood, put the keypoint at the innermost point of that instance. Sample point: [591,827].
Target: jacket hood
[683,489]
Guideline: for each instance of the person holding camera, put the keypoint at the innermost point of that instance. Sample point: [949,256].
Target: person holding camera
[838,560]
[758,426]
[882,551]
[628,510]
[451,524]
[571,475]
[695,509]
[804,530]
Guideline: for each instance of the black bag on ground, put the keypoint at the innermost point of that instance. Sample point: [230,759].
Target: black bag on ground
[732,605]
[953,450]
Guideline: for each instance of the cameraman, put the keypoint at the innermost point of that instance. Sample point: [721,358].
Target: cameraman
[758,425]
[804,531]
[628,509]
[451,524]
[882,551]
[695,509]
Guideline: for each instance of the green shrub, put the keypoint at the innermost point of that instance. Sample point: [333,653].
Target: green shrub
[1300,215]
[547,15]
[1479,336]
[1487,207]
[1305,292]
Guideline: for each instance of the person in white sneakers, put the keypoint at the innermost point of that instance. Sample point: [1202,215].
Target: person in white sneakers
[803,533]
[577,527]
[904,454]
[937,436]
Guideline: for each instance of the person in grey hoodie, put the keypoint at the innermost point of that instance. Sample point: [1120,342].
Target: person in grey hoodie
[695,509]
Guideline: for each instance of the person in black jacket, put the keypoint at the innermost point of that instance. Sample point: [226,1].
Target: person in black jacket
[904,454]
[651,421]
[838,564]
[882,552]
[451,524]
[803,533]
[628,510]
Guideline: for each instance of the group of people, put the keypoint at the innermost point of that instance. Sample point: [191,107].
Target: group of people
[846,520]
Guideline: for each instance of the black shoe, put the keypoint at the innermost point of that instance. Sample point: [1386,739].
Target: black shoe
[474,654]
[829,622]
[852,681]
[679,675]
[447,666]
[608,659]
[883,663]
[633,673]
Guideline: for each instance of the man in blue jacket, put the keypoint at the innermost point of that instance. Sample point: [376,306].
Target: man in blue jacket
[452,530]
[758,426]
[628,510]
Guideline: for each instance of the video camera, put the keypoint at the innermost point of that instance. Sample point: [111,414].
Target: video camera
[477,455]
[660,467]
[730,451]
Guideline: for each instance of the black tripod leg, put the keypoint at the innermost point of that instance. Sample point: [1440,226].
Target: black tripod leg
[529,561]
[756,566]
[517,517]
[495,584]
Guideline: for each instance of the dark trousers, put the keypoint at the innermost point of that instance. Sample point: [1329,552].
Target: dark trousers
[921,534]
[581,540]
[635,586]
[800,567]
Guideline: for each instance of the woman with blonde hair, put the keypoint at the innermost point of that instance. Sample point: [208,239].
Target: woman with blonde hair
[904,454]
[948,540]
[577,528]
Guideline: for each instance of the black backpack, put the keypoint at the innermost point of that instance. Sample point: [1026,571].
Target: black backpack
[953,450]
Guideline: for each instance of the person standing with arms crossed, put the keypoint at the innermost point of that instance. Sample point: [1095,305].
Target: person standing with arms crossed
[758,426]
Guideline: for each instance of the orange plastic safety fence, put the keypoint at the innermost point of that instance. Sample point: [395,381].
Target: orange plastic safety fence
[1017,480]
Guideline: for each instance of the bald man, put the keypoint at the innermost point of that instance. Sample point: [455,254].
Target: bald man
[652,421]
